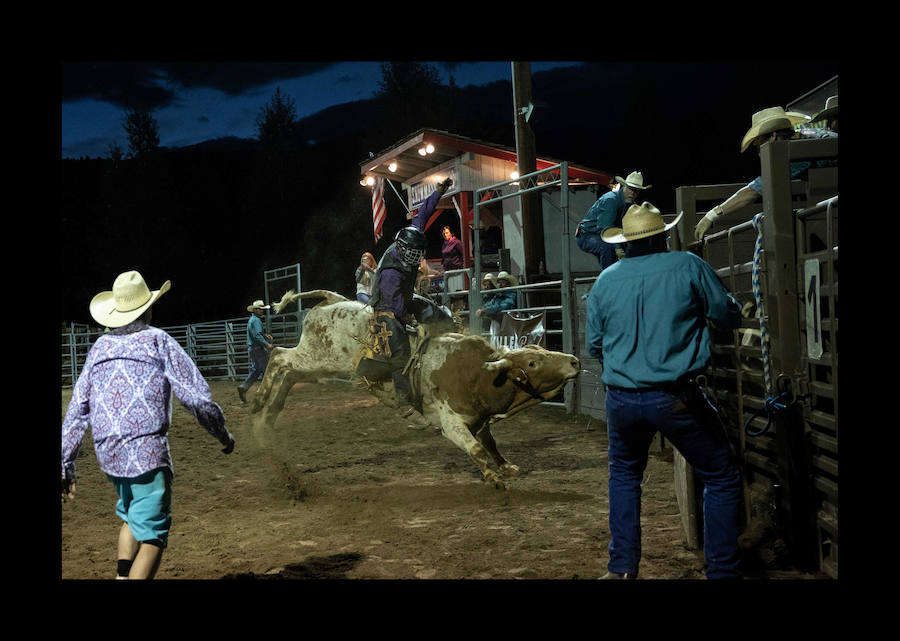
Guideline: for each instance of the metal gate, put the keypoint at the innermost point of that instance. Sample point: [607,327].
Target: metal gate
[775,378]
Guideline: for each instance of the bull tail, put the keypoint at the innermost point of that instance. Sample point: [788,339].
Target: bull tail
[290,296]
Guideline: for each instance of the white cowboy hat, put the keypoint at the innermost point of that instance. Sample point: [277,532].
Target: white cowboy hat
[257,304]
[831,108]
[639,221]
[771,119]
[129,299]
[512,280]
[635,180]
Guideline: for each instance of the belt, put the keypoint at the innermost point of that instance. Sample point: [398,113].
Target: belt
[672,387]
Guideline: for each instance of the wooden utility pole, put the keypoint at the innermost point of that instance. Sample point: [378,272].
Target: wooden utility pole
[532,215]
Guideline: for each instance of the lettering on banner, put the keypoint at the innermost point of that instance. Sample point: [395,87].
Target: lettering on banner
[515,330]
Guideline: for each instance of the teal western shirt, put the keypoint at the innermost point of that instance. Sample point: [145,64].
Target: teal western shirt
[606,212]
[255,332]
[646,318]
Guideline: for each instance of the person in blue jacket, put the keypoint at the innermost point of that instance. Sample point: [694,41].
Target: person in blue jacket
[607,212]
[647,323]
[500,301]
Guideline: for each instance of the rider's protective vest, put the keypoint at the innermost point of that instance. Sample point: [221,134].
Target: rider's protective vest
[407,281]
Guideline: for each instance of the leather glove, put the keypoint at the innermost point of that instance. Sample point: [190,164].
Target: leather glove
[748,309]
[444,185]
[706,222]
[620,253]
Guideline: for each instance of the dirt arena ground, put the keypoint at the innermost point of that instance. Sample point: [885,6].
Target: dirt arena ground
[341,488]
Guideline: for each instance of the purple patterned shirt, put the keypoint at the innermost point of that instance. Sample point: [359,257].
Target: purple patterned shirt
[124,393]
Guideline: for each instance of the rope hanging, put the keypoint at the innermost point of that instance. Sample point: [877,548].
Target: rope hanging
[773,404]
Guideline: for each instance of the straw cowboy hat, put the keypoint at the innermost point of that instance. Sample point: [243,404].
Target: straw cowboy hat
[129,299]
[635,180]
[831,109]
[507,277]
[769,120]
[257,304]
[639,221]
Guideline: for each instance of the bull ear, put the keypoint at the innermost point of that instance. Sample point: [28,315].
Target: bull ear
[499,369]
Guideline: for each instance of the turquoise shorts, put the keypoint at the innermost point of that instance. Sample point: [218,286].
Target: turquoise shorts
[145,504]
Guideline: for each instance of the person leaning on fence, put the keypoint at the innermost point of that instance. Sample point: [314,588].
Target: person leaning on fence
[606,212]
[365,276]
[767,125]
[647,324]
[500,301]
[124,394]
[258,347]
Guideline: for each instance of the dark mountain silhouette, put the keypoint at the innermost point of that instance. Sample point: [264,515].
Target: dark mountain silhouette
[210,218]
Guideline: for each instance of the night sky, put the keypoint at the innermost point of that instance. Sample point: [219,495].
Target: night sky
[680,123]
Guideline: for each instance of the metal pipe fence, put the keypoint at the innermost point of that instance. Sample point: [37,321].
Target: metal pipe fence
[218,348]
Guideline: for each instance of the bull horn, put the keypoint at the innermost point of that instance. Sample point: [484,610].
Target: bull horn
[499,369]
[501,365]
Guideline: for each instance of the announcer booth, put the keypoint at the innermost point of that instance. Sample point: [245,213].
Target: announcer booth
[425,158]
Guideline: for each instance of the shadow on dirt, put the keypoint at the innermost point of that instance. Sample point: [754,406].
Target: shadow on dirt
[336,566]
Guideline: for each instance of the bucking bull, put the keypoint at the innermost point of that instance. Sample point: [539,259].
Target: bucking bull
[461,383]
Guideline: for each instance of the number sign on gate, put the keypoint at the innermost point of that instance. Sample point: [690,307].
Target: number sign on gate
[813,311]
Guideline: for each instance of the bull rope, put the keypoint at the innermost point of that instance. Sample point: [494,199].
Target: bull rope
[773,404]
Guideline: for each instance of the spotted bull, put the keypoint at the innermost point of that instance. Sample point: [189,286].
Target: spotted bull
[463,385]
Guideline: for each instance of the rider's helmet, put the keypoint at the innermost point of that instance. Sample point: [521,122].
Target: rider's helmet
[411,246]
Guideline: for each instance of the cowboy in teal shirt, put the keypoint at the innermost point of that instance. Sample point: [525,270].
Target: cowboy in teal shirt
[664,335]
[647,322]
[605,213]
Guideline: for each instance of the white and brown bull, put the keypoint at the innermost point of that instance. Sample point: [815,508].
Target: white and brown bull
[464,384]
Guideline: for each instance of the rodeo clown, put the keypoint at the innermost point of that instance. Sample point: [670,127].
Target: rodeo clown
[392,294]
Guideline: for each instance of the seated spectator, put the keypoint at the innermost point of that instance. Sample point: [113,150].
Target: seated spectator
[500,301]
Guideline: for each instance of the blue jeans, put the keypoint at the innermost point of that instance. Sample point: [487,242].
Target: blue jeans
[632,420]
[593,244]
[259,359]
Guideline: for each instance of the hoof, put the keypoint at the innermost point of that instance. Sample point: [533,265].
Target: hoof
[491,478]
[508,469]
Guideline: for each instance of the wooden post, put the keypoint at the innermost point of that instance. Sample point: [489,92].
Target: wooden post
[783,311]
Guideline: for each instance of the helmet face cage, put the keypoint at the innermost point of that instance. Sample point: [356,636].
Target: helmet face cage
[409,255]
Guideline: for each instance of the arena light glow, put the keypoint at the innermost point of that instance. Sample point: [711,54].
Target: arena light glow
[393,166]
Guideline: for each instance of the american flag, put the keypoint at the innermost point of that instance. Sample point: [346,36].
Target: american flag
[378,208]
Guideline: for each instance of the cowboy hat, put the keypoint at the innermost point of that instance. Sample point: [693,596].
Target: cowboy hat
[257,304]
[771,119]
[635,180]
[831,109]
[507,277]
[639,221]
[129,299]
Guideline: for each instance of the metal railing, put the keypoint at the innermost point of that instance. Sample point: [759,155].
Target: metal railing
[218,348]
